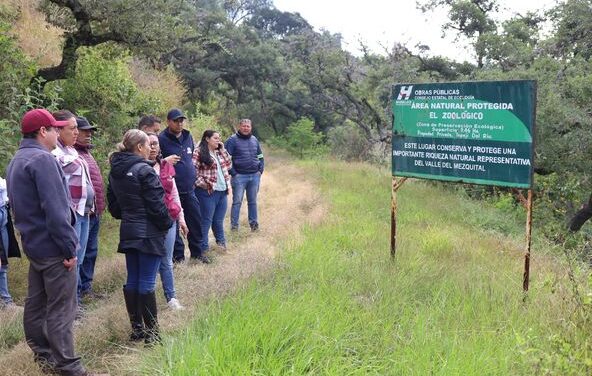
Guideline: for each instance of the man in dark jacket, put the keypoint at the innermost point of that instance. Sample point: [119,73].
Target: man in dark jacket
[247,167]
[40,200]
[83,146]
[175,140]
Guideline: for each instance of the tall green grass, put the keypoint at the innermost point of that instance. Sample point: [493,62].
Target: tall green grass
[449,304]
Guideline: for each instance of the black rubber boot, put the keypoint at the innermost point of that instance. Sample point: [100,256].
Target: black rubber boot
[132,304]
[150,316]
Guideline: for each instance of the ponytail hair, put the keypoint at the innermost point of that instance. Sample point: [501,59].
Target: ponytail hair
[131,140]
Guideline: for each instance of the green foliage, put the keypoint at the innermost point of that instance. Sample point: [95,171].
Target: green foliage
[19,103]
[347,142]
[450,303]
[15,68]
[302,140]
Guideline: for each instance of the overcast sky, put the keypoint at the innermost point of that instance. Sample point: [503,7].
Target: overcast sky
[382,22]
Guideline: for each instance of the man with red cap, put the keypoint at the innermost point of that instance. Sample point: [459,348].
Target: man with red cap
[40,200]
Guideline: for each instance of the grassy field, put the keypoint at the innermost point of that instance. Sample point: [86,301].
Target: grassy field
[451,302]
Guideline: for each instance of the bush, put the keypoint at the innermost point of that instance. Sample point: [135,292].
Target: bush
[302,140]
[347,142]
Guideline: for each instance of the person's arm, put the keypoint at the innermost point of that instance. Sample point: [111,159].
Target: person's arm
[153,195]
[54,200]
[112,203]
[229,146]
[226,162]
[177,199]
[260,157]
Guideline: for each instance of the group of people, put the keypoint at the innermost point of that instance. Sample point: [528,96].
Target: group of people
[160,185]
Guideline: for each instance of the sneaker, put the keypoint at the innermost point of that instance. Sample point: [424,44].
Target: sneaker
[175,305]
[234,228]
[254,227]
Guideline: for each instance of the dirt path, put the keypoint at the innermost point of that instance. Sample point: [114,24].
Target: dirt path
[287,200]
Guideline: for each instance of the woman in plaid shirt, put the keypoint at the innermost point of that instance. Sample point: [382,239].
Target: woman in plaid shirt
[213,185]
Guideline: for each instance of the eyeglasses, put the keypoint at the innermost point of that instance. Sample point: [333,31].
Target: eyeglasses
[179,120]
[153,144]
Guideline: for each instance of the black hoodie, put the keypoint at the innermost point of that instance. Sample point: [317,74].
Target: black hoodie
[135,195]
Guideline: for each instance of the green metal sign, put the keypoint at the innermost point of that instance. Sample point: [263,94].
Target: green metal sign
[472,132]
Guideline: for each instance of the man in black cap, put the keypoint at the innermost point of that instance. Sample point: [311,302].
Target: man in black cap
[83,146]
[175,140]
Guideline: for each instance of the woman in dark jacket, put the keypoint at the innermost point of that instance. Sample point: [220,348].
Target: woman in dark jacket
[8,246]
[135,195]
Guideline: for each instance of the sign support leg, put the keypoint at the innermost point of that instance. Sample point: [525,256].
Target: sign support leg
[395,186]
[528,242]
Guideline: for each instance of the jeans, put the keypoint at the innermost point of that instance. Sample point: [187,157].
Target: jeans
[81,227]
[166,264]
[190,206]
[87,270]
[241,183]
[213,209]
[141,271]
[4,294]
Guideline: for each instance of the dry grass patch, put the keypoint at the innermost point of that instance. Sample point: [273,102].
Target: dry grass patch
[287,200]
[36,37]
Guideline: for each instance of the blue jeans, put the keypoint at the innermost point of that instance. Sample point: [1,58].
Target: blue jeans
[241,183]
[87,270]
[81,227]
[141,271]
[4,294]
[213,209]
[166,264]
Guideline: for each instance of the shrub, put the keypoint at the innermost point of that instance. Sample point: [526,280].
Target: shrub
[347,142]
[302,140]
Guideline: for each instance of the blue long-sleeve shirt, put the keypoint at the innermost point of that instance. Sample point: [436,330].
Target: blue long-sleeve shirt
[247,157]
[40,199]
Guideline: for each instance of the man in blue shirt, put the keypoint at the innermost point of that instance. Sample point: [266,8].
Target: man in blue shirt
[247,167]
[175,140]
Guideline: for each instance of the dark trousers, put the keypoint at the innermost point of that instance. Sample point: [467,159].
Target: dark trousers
[50,309]
[193,219]
[179,248]
[87,270]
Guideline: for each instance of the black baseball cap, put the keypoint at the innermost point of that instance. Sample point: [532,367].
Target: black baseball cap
[83,124]
[175,114]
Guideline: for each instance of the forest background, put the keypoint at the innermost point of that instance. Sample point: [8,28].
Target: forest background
[220,60]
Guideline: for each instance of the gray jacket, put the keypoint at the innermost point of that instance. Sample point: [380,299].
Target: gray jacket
[39,197]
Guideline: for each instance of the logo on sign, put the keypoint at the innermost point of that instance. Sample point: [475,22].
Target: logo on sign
[405,92]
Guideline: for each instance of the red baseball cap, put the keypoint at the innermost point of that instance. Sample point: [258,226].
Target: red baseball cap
[40,117]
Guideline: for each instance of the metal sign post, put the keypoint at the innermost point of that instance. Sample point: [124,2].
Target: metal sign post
[528,242]
[396,185]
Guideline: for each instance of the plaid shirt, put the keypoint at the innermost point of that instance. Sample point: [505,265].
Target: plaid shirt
[208,175]
[76,173]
